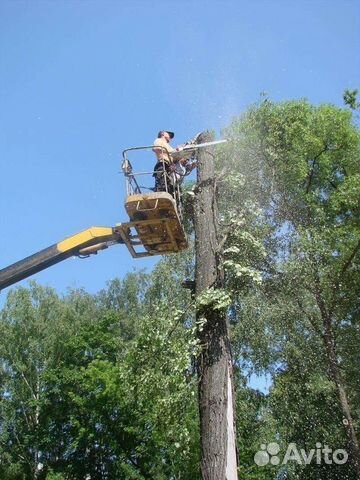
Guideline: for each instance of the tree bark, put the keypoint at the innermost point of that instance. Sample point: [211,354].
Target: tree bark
[216,399]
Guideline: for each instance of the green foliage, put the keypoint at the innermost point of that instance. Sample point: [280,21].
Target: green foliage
[350,99]
[255,426]
[216,299]
[104,383]
[294,169]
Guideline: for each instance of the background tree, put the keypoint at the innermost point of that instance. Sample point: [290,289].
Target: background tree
[301,169]
[116,396]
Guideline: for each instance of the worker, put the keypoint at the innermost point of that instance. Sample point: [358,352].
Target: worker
[164,160]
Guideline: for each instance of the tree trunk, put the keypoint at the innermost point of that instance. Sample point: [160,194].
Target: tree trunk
[336,377]
[216,399]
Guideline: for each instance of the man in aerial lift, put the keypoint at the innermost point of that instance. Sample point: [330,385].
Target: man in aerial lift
[160,232]
[179,167]
[163,158]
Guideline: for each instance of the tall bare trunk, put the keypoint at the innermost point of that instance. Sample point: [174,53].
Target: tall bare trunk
[216,399]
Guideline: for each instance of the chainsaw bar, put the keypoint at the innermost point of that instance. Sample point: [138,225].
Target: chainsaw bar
[190,150]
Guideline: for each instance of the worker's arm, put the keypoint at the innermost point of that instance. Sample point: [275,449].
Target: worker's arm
[162,149]
[81,244]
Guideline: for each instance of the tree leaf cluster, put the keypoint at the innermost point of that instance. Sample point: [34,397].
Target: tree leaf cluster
[99,386]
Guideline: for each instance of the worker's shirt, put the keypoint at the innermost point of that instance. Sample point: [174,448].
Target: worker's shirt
[163,153]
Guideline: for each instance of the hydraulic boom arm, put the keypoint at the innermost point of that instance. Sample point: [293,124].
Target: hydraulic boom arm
[155,226]
[82,244]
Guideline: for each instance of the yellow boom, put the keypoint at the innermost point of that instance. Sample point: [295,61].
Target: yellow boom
[154,229]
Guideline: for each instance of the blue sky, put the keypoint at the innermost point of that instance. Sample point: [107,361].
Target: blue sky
[81,80]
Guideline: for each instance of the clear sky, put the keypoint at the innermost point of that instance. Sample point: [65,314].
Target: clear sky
[81,80]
